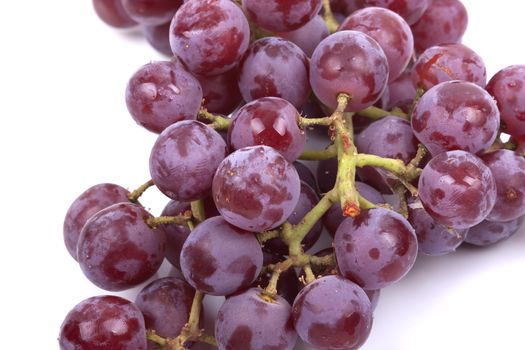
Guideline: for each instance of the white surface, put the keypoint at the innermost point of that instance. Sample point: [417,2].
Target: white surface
[65,127]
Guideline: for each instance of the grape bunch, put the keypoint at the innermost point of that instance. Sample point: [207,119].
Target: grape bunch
[422,156]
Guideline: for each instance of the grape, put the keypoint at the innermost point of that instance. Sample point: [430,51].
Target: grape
[307,200]
[151,12]
[274,67]
[158,38]
[344,7]
[349,62]
[401,92]
[256,188]
[448,62]
[209,36]
[112,13]
[264,324]
[332,313]
[389,137]
[166,304]
[507,87]
[410,10]
[184,159]
[488,232]
[326,174]
[456,115]
[443,22]
[508,169]
[373,295]
[334,216]
[308,36]
[85,206]
[457,189]
[306,175]
[162,93]
[221,92]
[117,250]
[269,121]
[376,248]
[220,259]
[281,15]
[390,31]
[433,238]
[101,323]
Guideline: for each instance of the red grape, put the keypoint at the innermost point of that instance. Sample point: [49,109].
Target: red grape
[151,12]
[308,36]
[112,13]
[410,10]
[489,232]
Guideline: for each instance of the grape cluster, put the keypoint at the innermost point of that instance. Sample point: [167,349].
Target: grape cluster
[423,155]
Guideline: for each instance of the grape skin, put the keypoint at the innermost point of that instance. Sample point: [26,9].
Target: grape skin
[221,92]
[401,92]
[281,15]
[162,93]
[256,188]
[349,62]
[117,250]
[151,12]
[209,36]
[332,313]
[376,248]
[508,169]
[269,121]
[112,13]
[274,67]
[456,115]
[443,22]
[158,38]
[220,259]
[306,175]
[448,62]
[308,36]
[184,159]
[508,88]
[457,189]
[101,323]
[410,10]
[166,304]
[488,233]
[390,31]
[85,206]
[264,324]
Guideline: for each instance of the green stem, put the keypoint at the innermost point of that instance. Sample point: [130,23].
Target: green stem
[271,289]
[395,166]
[217,122]
[327,260]
[309,274]
[328,16]
[265,236]
[365,203]
[182,219]
[327,153]
[306,122]
[197,209]
[376,113]
[419,93]
[135,195]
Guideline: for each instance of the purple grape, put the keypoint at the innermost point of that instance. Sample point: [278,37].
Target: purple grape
[176,235]
[184,159]
[488,232]
[401,92]
[269,121]
[410,10]
[326,174]
[158,38]
[151,12]
[448,62]
[334,216]
[281,15]
[308,36]
[443,22]
[90,202]
[117,250]
[306,175]
[101,323]
[344,7]
[256,188]
[274,67]
[265,324]
[209,36]
[221,92]
[112,13]
[433,238]
[166,305]
[349,62]
[456,115]
[390,31]
[162,93]
[288,283]
[332,313]
[373,295]
[457,189]
[307,200]
[508,88]
[220,259]
[389,137]
[376,248]
[508,169]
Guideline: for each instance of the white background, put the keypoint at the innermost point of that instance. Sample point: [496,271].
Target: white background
[64,127]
